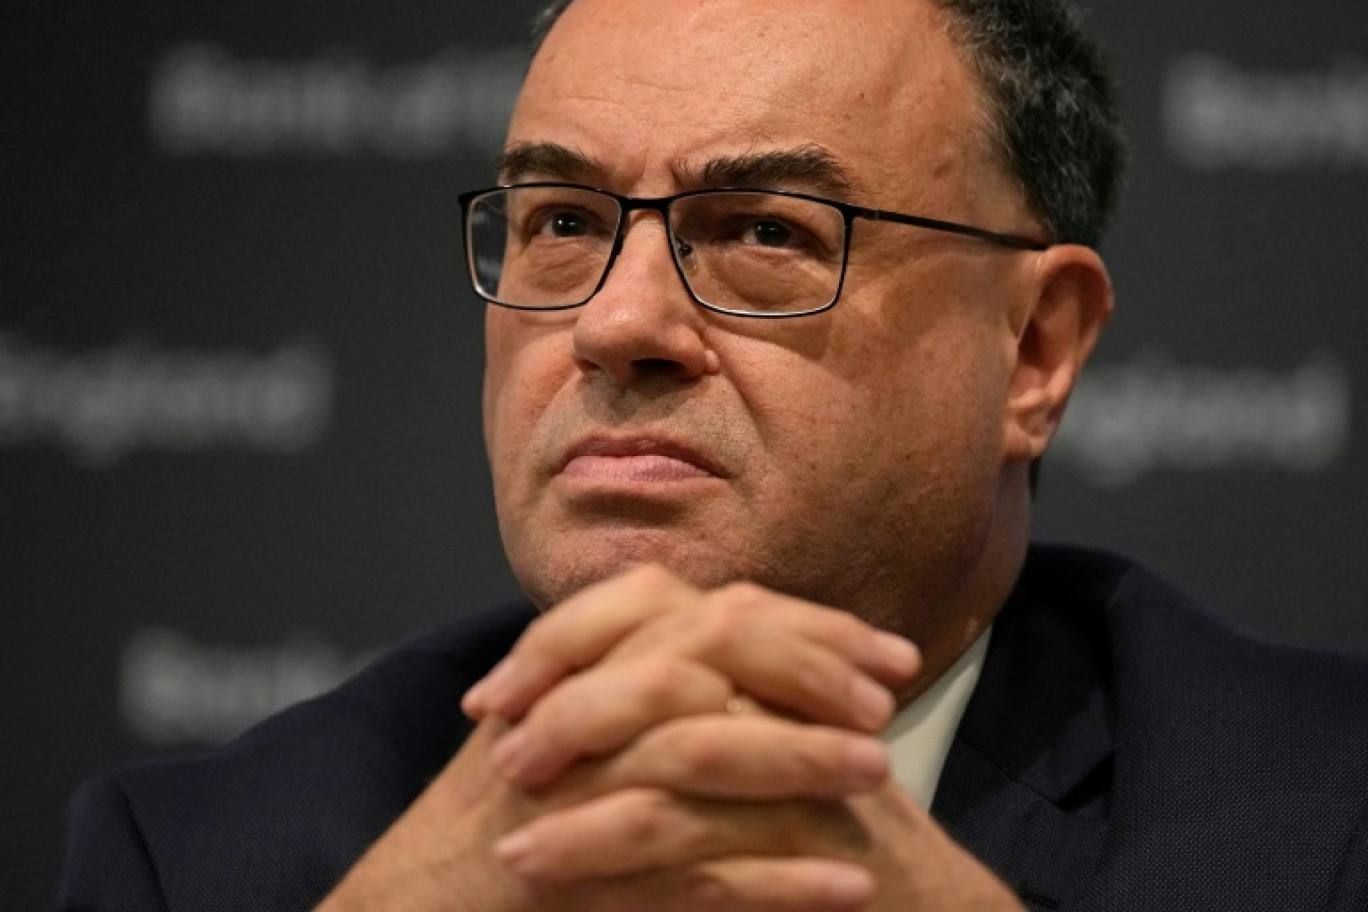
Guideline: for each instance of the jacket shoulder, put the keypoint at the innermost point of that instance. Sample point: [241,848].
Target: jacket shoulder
[1240,765]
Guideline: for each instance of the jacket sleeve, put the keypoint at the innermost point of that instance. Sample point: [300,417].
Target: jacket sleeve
[108,868]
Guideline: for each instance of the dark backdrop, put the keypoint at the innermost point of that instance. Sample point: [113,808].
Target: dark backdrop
[239,367]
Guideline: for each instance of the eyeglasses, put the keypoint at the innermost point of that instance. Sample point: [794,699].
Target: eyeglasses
[753,253]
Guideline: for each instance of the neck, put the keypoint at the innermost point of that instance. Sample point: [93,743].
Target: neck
[987,585]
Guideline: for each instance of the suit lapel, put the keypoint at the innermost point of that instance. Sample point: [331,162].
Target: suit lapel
[1027,781]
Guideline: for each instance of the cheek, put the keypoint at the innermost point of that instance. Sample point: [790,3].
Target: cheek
[935,400]
[525,366]
[962,386]
[828,424]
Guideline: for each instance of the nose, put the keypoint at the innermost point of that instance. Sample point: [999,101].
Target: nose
[642,322]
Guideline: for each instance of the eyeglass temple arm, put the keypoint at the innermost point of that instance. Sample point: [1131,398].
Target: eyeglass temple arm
[993,237]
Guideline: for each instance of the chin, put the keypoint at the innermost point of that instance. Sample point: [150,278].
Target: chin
[551,574]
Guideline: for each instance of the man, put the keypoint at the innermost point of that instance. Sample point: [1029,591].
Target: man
[787,299]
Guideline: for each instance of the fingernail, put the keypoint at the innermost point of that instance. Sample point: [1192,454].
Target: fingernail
[867,762]
[872,703]
[472,704]
[492,688]
[509,755]
[901,655]
[516,851]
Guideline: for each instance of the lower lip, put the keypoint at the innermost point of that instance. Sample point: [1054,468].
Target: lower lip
[632,470]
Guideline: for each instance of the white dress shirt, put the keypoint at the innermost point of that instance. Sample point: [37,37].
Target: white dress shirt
[919,736]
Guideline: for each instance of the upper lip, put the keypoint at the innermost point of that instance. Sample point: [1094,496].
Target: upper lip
[641,445]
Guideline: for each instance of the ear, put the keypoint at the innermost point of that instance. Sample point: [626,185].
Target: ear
[1056,327]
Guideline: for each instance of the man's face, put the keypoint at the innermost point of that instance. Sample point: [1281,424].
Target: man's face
[854,457]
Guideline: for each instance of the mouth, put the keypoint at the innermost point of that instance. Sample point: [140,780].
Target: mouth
[636,461]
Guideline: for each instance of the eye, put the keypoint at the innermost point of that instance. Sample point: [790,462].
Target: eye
[768,233]
[565,224]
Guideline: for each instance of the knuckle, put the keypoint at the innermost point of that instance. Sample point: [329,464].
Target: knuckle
[709,890]
[659,683]
[726,618]
[645,816]
[744,595]
[701,757]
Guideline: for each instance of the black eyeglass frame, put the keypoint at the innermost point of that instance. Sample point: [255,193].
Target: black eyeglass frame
[661,204]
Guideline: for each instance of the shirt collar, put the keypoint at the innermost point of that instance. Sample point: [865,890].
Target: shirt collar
[920,734]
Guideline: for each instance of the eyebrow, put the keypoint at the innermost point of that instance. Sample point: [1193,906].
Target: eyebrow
[811,167]
[547,160]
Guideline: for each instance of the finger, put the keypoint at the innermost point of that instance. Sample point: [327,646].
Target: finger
[757,639]
[631,831]
[749,758]
[888,658]
[724,885]
[792,653]
[782,885]
[601,710]
[574,635]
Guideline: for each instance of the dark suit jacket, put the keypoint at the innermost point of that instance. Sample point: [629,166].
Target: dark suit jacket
[1123,750]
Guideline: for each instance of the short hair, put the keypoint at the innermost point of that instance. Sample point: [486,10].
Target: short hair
[1051,105]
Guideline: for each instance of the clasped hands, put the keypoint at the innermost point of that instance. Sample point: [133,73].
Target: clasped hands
[648,745]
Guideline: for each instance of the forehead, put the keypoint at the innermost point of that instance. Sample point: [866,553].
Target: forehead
[654,89]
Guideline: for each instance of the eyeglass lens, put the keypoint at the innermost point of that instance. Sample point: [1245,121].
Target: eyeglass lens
[754,252]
